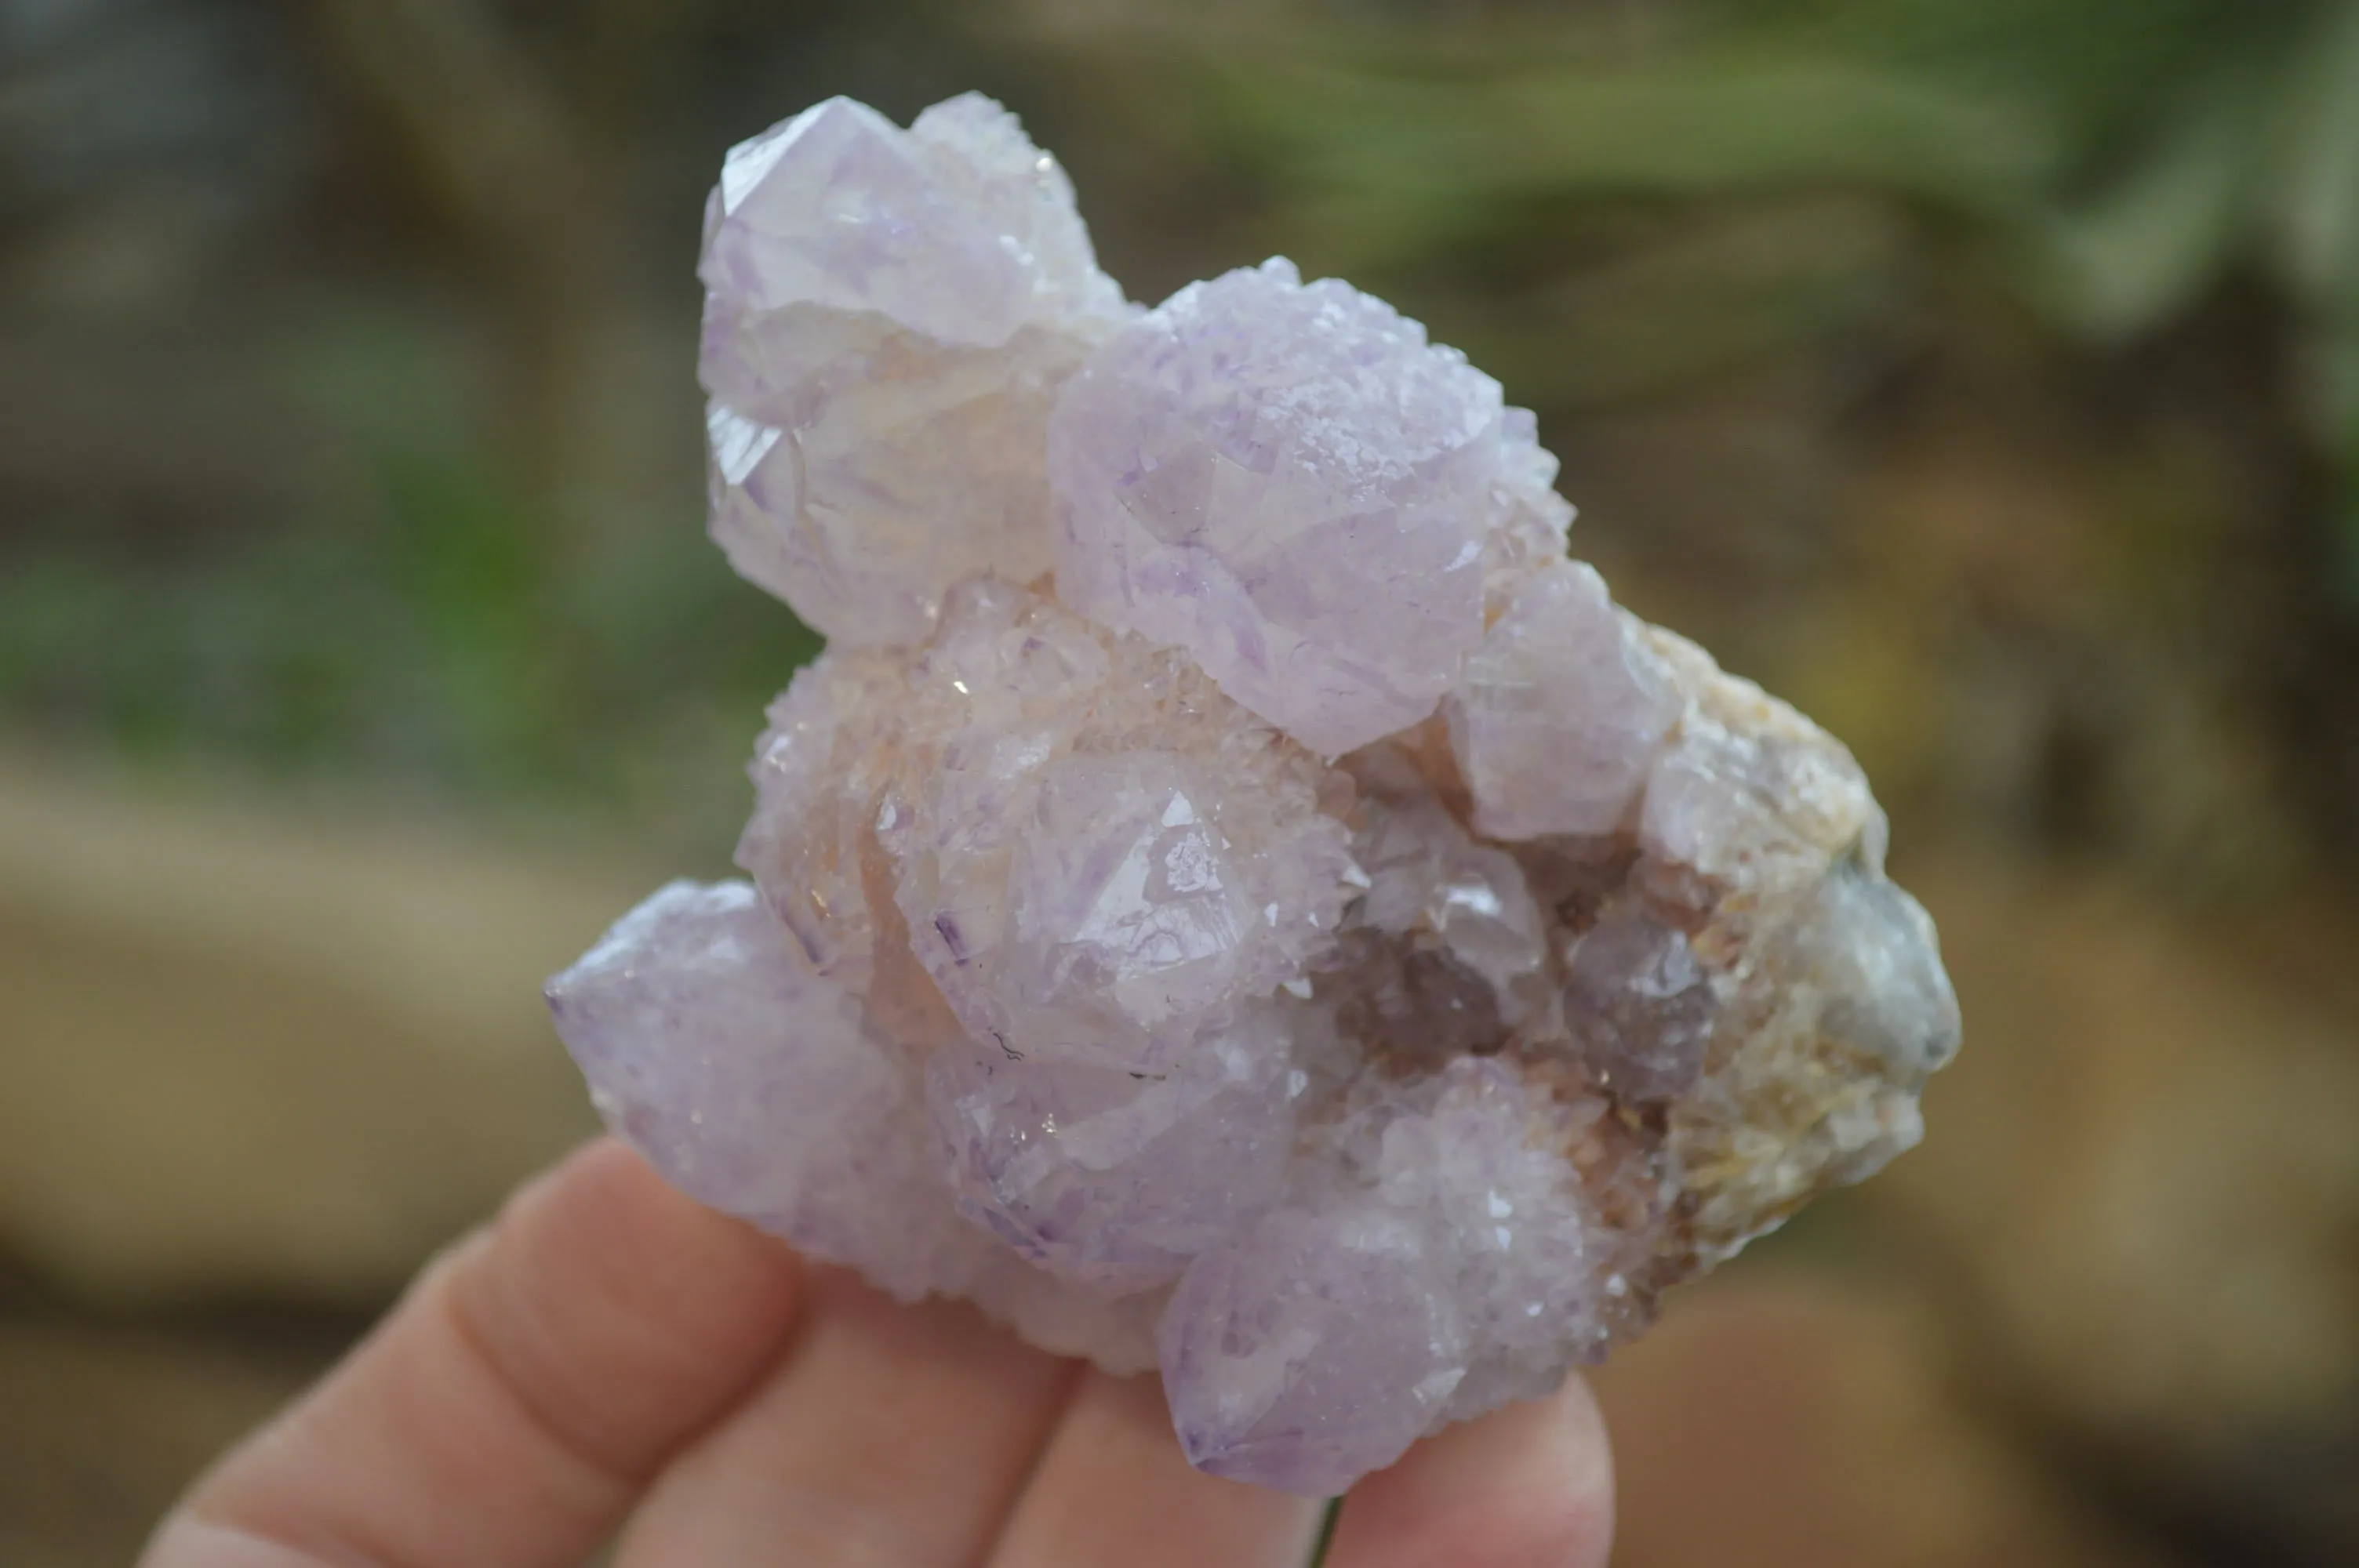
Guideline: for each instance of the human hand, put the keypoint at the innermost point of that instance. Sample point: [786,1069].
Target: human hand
[610,1356]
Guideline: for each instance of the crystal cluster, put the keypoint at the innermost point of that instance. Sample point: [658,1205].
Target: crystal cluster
[1234,896]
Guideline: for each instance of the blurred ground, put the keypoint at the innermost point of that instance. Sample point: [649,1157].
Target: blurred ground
[1777,1418]
[1982,374]
[108,1421]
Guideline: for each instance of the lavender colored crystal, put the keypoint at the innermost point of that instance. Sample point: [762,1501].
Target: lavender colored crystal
[889,316]
[1288,481]
[1234,894]
[1312,1348]
[1090,850]
[1560,714]
[787,1111]
[1458,900]
[1116,1178]
[1639,1006]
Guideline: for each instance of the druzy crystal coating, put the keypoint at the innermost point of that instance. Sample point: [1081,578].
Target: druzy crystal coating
[1234,896]
[1290,482]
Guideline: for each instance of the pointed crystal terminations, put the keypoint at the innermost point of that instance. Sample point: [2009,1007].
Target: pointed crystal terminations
[889,314]
[1090,853]
[1235,895]
[1561,709]
[1288,481]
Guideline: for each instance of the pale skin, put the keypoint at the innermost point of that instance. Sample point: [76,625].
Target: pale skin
[611,1358]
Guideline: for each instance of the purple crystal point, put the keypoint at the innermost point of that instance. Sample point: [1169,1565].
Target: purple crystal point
[747,1080]
[1459,900]
[1118,1178]
[1288,481]
[1639,1005]
[1092,853]
[1561,712]
[889,314]
[1127,907]
[958,228]
[1438,1257]
[1234,893]
[1309,1349]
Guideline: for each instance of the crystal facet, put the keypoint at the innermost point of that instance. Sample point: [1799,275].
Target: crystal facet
[1288,481]
[1235,895]
[888,316]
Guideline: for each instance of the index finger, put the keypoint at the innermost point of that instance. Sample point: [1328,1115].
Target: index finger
[1528,1485]
[512,1408]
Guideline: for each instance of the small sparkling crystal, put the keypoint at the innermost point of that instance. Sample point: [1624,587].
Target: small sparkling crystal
[1290,482]
[1235,895]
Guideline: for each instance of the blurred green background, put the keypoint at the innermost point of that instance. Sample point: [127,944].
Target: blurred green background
[1982,374]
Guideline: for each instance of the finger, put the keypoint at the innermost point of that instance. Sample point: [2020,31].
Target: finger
[515,1405]
[1113,1488]
[888,1437]
[1530,1485]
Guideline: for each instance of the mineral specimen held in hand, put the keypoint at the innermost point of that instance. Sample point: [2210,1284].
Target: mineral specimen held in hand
[1235,895]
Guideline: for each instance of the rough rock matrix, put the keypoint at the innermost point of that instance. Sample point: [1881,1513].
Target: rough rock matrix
[1235,895]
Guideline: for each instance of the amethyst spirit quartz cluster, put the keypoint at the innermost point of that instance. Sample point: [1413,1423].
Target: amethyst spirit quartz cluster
[1234,896]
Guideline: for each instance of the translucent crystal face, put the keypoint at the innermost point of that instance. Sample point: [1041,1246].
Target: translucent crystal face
[1313,939]
[1116,1179]
[1639,1005]
[1124,896]
[1290,482]
[958,228]
[1090,852]
[1560,714]
[889,317]
[1310,1347]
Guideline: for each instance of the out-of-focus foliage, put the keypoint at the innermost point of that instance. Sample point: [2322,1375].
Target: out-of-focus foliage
[294,435]
[2113,161]
[414,624]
